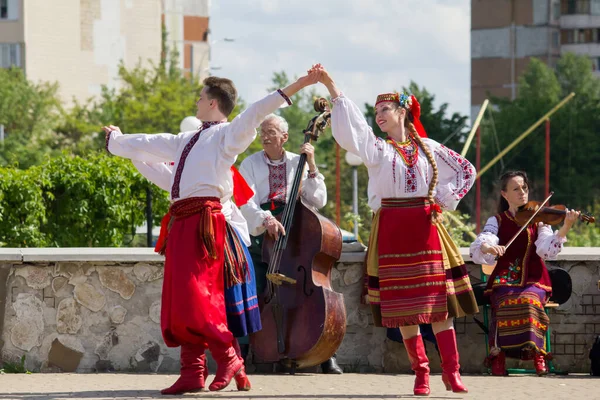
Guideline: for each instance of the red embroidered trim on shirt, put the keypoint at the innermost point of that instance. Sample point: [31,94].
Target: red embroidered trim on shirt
[278,183]
[286,98]
[186,151]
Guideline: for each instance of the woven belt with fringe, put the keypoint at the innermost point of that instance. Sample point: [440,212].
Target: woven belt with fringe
[206,206]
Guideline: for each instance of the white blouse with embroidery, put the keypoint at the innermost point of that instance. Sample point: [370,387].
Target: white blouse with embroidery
[548,243]
[389,176]
[271,181]
[207,165]
[161,174]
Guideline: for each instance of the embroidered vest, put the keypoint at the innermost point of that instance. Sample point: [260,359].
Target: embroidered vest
[521,265]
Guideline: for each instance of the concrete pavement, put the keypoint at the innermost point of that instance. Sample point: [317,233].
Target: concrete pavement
[300,386]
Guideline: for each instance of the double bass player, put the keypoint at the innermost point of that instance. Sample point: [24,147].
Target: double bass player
[270,174]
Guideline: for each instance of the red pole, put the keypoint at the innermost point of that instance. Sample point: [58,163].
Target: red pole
[338,181]
[547,191]
[478,183]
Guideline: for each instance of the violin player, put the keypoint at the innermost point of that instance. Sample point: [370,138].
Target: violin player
[519,285]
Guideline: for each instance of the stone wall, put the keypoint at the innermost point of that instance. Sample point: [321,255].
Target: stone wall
[91,310]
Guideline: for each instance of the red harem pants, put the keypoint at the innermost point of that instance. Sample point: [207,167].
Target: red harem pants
[193,306]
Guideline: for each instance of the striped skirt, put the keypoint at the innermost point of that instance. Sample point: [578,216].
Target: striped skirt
[519,321]
[415,272]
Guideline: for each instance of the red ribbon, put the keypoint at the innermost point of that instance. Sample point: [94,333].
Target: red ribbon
[415,109]
[241,190]
[164,230]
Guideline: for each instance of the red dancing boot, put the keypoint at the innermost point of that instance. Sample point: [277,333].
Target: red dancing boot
[192,372]
[229,366]
[419,363]
[241,379]
[540,364]
[449,355]
[499,365]
[205,365]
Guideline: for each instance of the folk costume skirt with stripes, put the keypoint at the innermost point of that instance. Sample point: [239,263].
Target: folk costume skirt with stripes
[241,301]
[415,272]
[519,321]
[193,305]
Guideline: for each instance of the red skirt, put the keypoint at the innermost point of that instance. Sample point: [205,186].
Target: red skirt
[412,280]
[193,305]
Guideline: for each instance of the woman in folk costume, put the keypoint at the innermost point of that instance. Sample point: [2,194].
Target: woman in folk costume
[416,273]
[520,285]
[241,302]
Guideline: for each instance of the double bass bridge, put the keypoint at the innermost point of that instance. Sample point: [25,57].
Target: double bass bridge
[279,279]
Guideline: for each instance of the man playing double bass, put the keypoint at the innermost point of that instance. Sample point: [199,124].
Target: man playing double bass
[270,174]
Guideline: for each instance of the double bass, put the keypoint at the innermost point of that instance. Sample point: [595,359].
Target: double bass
[303,318]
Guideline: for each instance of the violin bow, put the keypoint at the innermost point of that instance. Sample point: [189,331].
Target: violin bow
[527,224]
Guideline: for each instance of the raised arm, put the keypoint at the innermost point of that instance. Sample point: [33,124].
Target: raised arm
[160,147]
[314,190]
[242,130]
[349,126]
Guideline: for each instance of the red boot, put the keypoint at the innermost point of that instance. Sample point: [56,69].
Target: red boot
[449,355]
[499,365]
[419,363]
[205,365]
[241,380]
[540,365]
[229,365]
[192,373]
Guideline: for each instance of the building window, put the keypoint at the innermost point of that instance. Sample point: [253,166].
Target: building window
[595,7]
[9,10]
[579,36]
[10,54]
[569,7]
[556,10]
[555,40]
[3,9]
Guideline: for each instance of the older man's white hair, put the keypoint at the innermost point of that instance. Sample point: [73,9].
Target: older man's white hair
[282,124]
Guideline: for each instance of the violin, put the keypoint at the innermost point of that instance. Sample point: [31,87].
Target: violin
[549,215]
[534,212]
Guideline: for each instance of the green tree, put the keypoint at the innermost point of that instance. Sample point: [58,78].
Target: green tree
[575,164]
[28,112]
[72,201]
[22,209]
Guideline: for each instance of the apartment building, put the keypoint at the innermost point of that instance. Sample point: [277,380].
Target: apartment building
[80,43]
[506,34]
[187,26]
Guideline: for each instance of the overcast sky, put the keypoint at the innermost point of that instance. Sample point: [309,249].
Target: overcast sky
[369,46]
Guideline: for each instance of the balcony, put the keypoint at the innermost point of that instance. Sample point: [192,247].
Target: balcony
[587,49]
[580,13]
[572,7]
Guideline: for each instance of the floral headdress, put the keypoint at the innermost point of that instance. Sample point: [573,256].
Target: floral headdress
[410,104]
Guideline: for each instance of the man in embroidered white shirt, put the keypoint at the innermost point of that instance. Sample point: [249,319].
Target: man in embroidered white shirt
[193,309]
[270,174]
